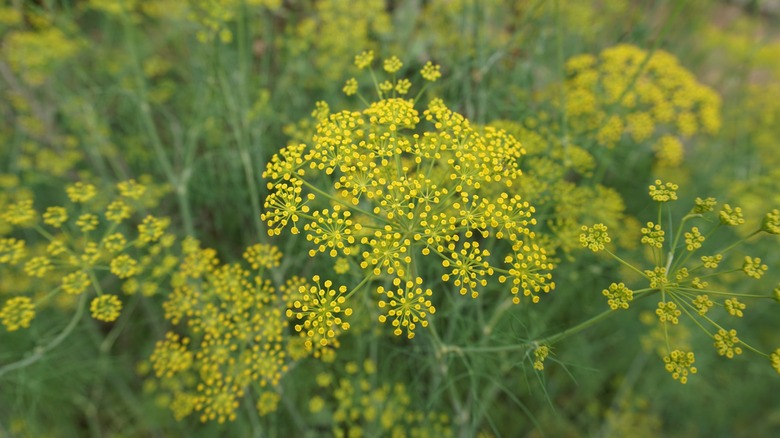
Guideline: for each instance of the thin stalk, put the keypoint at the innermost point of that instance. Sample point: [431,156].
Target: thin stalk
[179,182]
[40,352]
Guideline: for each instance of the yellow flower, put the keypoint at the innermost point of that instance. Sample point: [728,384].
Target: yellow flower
[123,266]
[663,192]
[392,64]
[734,307]
[406,306]
[320,309]
[17,313]
[430,72]
[117,211]
[152,228]
[595,238]
[680,365]
[131,189]
[618,296]
[350,87]
[653,235]
[170,356]
[38,266]
[731,216]
[668,311]
[726,342]
[693,239]
[752,267]
[771,222]
[364,59]
[263,255]
[55,216]
[20,213]
[12,250]
[75,283]
[106,308]
[80,192]
[87,222]
[540,354]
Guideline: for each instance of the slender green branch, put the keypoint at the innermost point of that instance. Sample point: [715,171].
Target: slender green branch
[39,352]
[625,263]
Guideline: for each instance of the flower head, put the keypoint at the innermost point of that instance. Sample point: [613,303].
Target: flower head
[131,189]
[12,250]
[727,343]
[693,239]
[350,87]
[364,59]
[704,205]
[80,192]
[540,354]
[752,267]
[263,255]
[430,72]
[392,64]
[55,216]
[653,235]
[680,365]
[76,282]
[731,216]
[663,192]
[618,296]
[668,311]
[20,213]
[595,238]
[712,262]
[321,310]
[734,307]
[771,222]
[17,313]
[152,229]
[406,306]
[105,308]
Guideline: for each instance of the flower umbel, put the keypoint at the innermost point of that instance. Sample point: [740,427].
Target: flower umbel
[618,296]
[663,191]
[680,365]
[594,238]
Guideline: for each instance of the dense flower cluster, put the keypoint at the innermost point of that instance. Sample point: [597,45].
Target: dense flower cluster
[358,405]
[407,192]
[332,31]
[629,92]
[232,338]
[558,177]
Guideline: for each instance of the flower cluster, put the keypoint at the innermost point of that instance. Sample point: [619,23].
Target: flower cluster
[557,176]
[618,296]
[652,91]
[358,405]
[332,31]
[79,241]
[393,188]
[680,365]
[232,338]
[684,292]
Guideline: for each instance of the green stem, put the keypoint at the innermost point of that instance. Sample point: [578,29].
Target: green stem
[178,182]
[39,352]
[365,280]
[341,202]
[625,263]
